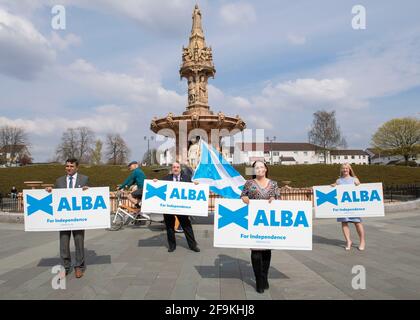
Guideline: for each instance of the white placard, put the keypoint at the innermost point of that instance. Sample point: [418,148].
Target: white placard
[280,224]
[66,209]
[347,200]
[180,198]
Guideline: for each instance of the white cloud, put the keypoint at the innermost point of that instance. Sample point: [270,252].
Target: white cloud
[296,39]
[24,52]
[312,89]
[62,43]
[218,100]
[145,92]
[100,119]
[380,68]
[166,17]
[259,122]
[238,13]
[302,94]
[45,132]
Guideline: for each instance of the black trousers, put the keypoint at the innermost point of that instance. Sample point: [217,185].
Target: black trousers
[261,263]
[186,226]
[79,241]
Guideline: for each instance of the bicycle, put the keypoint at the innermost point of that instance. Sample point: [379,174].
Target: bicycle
[126,215]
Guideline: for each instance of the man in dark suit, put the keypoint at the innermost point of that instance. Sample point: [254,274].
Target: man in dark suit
[72,179]
[178,175]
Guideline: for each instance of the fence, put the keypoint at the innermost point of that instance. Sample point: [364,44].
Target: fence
[16,205]
[391,193]
[402,192]
[11,204]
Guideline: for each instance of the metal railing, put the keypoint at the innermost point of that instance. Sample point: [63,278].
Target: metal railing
[391,193]
[404,192]
[11,204]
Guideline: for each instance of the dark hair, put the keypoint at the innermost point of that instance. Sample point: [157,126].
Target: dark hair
[265,165]
[73,160]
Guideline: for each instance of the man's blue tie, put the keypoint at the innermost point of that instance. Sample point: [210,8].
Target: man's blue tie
[71,182]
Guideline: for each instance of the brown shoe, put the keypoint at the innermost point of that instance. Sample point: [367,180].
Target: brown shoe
[78,272]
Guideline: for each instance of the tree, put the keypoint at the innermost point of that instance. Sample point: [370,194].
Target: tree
[325,133]
[97,152]
[14,137]
[10,135]
[86,140]
[25,159]
[68,148]
[117,151]
[398,137]
[76,143]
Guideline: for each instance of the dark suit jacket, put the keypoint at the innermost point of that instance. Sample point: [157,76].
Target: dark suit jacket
[81,181]
[184,177]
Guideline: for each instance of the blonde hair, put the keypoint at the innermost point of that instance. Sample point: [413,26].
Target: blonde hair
[351,171]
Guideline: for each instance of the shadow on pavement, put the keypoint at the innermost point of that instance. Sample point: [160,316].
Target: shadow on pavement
[226,267]
[91,258]
[331,242]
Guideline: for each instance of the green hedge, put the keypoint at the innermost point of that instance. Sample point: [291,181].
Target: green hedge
[299,175]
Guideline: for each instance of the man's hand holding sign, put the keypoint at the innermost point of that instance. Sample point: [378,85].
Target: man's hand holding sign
[71,207]
[172,197]
[176,196]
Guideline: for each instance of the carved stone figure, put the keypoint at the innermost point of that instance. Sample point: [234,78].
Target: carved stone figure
[195,120]
[170,119]
[203,90]
[196,16]
[154,125]
[194,154]
[192,94]
[186,55]
[221,119]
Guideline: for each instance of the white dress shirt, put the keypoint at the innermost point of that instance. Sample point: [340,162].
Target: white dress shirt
[177,178]
[73,180]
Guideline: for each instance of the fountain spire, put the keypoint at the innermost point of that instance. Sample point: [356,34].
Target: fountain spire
[197,66]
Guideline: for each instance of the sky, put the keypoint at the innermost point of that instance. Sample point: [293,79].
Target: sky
[116,65]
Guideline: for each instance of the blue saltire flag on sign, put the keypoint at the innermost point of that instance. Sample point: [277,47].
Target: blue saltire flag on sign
[219,174]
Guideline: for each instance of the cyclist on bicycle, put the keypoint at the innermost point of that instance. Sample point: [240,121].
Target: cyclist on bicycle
[136,177]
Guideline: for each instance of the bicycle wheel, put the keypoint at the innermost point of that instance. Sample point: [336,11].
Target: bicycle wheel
[117,222]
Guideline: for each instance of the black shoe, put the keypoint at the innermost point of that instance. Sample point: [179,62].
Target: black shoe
[259,285]
[171,249]
[67,272]
[196,249]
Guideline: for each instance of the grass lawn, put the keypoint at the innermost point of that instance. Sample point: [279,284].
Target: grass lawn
[299,175]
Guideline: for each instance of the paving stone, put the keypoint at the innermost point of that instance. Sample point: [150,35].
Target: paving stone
[134,264]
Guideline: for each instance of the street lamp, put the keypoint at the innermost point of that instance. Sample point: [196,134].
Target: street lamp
[271,147]
[148,148]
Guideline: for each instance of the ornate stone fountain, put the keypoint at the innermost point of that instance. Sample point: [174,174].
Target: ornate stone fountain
[197,120]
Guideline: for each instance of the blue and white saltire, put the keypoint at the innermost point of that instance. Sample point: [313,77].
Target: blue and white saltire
[219,174]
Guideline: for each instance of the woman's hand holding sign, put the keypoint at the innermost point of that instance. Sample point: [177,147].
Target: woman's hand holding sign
[245,199]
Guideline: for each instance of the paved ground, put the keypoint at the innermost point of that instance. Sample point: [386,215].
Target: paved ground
[134,264]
